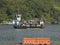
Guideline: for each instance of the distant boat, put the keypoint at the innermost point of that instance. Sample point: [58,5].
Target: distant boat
[18,25]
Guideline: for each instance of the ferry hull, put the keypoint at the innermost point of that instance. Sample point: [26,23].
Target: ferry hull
[25,27]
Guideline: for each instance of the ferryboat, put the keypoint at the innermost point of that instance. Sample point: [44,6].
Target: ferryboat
[18,25]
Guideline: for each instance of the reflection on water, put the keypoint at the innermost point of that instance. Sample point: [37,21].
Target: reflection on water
[10,35]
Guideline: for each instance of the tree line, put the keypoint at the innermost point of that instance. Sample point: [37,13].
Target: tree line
[31,9]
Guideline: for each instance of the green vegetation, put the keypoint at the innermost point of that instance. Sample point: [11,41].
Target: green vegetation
[31,9]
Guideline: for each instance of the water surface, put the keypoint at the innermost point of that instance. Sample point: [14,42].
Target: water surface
[10,35]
